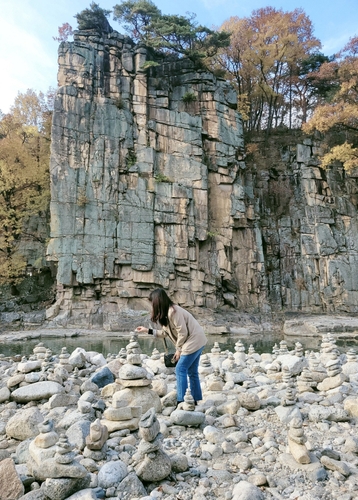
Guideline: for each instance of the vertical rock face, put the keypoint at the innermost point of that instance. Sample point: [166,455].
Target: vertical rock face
[308,220]
[149,188]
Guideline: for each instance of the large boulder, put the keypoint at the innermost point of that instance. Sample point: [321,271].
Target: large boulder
[139,396]
[62,488]
[24,424]
[111,474]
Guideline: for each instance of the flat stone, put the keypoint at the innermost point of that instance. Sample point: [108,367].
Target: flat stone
[29,366]
[36,392]
[335,465]
[139,396]
[142,382]
[116,414]
[119,425]
[45,440]
[332,382]
[132,372]
[287,460]
[187,418]
[52,469]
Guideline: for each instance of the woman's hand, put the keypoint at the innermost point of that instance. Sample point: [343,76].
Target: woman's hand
[141,329]
[177,355]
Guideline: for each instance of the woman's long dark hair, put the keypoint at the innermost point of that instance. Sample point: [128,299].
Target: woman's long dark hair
[160,306]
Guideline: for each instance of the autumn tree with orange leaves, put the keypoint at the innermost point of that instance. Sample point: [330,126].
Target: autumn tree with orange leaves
[339,113]
[264,61]
[24,176]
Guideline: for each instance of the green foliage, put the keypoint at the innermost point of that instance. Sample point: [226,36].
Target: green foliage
[131,158]
[159,177]
[24,176]
[94,18]
[136,17]
[212,234]
[149,64]
[171,34]
[189,97]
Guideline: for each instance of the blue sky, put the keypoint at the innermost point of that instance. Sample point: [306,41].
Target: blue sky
[28,54]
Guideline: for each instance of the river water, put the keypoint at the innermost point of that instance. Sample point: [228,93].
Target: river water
[105,345]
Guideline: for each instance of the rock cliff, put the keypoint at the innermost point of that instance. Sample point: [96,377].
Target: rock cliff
[149,188]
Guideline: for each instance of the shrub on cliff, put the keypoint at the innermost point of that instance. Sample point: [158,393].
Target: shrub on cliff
[94,18]
[168,33]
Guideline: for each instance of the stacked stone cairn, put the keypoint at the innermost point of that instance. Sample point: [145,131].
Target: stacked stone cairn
[96,442]
[185,414]
[62,464]
[64,359]
[120,415]
[335,376]
[318,372]
[135,397]
[151,462]
[239,355]
[283,348]
[305,381]
[351,365]
[43,446]
[296,442]
[205,366]
[275,351]
[287,377]
[215,381]
[216,356]
[299,350]
[289,399]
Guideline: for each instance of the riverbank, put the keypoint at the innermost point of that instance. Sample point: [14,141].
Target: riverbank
[298,327]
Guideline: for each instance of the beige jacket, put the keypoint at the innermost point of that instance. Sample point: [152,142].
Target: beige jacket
[183,330]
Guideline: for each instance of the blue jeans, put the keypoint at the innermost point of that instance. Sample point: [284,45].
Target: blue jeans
[188,367]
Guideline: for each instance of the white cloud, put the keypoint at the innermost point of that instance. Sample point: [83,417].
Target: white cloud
[335,44]
[26,62]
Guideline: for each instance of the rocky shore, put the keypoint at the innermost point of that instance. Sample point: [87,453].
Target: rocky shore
[274,425]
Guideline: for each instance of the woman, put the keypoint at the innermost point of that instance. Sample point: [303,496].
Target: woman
[187,336]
